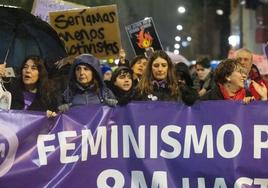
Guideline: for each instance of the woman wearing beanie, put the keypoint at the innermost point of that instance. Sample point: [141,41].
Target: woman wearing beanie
[86,85]
[122,84]
[106,72]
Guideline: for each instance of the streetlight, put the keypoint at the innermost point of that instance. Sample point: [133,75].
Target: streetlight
[178,38]
[179,27]
[177,46]
[184,43]
[181,9]
[219,12]
[234,40]
[176,52]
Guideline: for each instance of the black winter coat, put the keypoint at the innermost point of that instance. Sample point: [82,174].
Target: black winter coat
[187,95]
[17,102]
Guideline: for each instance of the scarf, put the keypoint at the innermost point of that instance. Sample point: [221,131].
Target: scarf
[239,95]
[160,84]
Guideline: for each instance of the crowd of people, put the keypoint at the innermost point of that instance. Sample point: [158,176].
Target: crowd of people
[143,79]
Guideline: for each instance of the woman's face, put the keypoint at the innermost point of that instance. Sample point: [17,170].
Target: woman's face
[202,72]
[84,75]
[160,68]
[139,67]
[238,76]
[123,81]
[30,73]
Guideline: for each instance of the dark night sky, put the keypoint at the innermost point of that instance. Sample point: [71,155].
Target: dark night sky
[209,35]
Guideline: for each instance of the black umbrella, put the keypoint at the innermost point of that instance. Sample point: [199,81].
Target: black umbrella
[23,34]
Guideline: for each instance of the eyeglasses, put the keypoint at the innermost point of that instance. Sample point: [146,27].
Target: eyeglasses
[243,59]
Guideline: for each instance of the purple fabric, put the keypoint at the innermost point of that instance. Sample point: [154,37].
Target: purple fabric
[154,118]
[28,99]
[161,83]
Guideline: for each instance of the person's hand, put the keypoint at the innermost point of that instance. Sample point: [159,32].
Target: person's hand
[51,114]
[64,107]
[261,89]
[65,61]
[247,100]
[202,92]
[122,54]
[2,69]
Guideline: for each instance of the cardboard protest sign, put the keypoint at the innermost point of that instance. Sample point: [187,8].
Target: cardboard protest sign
[41,8]
[143,37]
[91,30]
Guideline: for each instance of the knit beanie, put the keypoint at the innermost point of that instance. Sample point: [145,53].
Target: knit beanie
[105,68]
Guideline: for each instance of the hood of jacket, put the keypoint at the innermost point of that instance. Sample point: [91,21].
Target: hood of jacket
[89,60]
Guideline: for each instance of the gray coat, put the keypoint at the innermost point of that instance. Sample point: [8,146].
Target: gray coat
[76,95]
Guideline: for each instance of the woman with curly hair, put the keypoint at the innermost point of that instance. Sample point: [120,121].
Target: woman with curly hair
[230,79]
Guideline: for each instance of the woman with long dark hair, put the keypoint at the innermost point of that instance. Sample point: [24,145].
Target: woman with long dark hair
[32,90]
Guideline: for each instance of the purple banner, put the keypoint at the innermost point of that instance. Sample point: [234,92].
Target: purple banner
[212,144]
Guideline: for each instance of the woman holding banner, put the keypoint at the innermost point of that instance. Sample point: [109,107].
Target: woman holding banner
[32,90]
[159,82]
[121,84]
[230,77]
[86,85]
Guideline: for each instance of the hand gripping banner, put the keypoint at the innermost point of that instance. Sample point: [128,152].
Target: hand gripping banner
[214,144]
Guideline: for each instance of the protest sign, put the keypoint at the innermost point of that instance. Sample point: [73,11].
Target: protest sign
[93,30]
[143,37]
[41,8]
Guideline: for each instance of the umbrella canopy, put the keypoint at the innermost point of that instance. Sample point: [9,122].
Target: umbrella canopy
[176,58]
[22,34]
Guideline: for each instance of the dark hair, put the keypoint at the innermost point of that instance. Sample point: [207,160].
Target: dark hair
[121,70]
[225,69]
[136,59]
[145,85]
[182,71]
[204,62]
[45,88]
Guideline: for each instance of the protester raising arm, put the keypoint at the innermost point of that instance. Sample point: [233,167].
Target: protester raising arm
[261,89]
[122,58]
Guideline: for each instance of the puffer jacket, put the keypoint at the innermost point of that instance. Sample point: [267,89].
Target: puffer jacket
[76,95]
